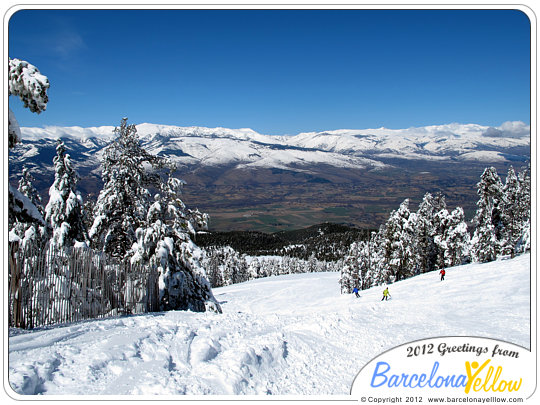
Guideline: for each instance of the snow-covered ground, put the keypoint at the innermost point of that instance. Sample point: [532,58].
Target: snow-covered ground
[287,335]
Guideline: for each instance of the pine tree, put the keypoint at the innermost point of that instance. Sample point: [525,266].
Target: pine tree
[213,270]
[363,261]
[454,239]
[164,243]
[26,82]
[511,214]
[350,273]
[26,187]
[524,242]
[64,211]
[425,232]
[440,214]
[242,269]
[348,279]
[367,264]
[32,235]
[381,272]
[485,242]
[125,199]
[398,243]
[254,268]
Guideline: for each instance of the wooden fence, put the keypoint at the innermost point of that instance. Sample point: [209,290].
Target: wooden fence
[48,286]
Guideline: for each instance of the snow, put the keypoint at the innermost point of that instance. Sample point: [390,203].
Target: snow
[26,82]
[75,132]
[344,148]
[14,128]
[286,335]
[24,205]
[12,236]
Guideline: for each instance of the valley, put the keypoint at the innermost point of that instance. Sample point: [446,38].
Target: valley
[249,181]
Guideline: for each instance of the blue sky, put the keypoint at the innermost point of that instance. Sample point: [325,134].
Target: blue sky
[277,71]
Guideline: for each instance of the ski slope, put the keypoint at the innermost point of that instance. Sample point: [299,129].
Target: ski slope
[287,335]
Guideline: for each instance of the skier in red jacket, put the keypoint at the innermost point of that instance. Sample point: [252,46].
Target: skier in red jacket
[442,273]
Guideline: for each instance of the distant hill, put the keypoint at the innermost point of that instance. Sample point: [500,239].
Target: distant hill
[250,181]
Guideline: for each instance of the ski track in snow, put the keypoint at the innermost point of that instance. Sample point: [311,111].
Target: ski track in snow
[287,335]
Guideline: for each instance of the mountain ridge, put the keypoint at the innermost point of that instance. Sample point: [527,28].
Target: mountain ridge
[246,180]
[436,142]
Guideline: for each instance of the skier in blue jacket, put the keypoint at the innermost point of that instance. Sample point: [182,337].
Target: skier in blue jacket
[355,291]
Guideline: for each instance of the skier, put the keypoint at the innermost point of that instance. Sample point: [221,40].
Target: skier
[442,273]
[385,294]
[355,291]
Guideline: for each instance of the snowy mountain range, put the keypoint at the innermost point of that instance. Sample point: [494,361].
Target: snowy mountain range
[227,169]
[246,148]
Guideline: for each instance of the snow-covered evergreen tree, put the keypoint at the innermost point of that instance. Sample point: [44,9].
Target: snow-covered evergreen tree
[124,201]
[64,212]
[33,235]
[423,226]
[398,243]
[212,267]
[26,82]
[26,187]
[524,178]
[164,243]
[381,272]
[440,213]
[485,241]
[524,242]
[511,213]
[350,277]
[151,232]
[454,239]
[368,262]
[365,269]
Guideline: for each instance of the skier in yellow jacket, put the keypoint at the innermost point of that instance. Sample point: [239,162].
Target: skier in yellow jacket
[385,294]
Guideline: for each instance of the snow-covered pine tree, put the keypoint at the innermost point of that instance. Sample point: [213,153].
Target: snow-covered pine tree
[350,273]
[442,222]
[242,273]
[164,243]
[125,199]
[212,266]
[367,262]
[26,82]
[267,269]
[380,270]
[64,212]
[524,241]
[485,242]
[365,269]
[399,243]
[424,228]
[32,235]
[454,239]
[440,213]
[511,213]
[285,264]
[227,265]
[26,187]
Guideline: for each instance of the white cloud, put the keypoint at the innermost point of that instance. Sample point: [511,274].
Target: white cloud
[509,129]
[67,42]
